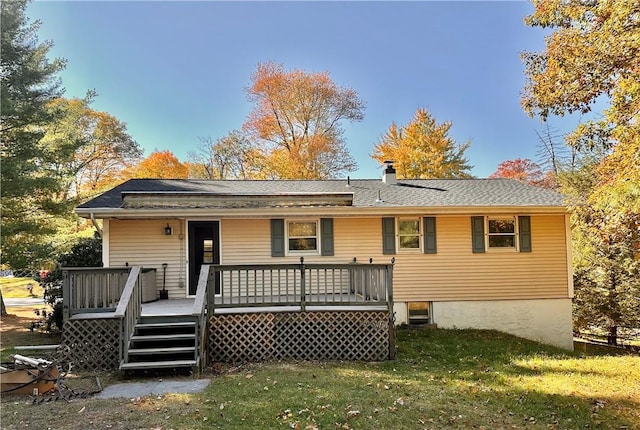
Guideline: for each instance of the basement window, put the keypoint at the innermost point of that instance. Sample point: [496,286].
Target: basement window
[419,313]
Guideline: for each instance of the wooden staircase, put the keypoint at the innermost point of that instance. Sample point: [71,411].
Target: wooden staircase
[167,341]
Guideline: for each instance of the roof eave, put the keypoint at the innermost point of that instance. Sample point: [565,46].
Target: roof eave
[345,211]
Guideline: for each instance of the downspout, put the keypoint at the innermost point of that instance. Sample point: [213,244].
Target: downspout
[95,224]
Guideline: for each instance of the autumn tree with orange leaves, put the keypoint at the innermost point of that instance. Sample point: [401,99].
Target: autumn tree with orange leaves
[160,165]
[296,122]
[423,149]
[520,169]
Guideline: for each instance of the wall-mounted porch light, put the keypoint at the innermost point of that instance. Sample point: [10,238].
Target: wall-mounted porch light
[168,230]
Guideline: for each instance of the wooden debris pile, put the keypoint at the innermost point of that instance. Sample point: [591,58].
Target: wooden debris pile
[26,375]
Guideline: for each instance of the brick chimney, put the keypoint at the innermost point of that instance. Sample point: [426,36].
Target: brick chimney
[389,175]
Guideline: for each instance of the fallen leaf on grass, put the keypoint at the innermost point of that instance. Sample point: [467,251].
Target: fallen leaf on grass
[285,414]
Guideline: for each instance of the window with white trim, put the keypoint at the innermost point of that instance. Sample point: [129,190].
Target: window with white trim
[302,237]
[501,232]
[409,234]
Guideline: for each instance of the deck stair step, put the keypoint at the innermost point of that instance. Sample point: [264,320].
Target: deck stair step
[166,341]
[166,325]
[162,337]
[158,364]
[151,351]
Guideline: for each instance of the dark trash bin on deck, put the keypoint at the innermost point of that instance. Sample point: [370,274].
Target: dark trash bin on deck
[149,290]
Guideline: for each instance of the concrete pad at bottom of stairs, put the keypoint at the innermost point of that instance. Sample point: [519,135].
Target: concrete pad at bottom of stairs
[132,390]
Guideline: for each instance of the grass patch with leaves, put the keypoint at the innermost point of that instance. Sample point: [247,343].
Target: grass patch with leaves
[16,288]
[441,379]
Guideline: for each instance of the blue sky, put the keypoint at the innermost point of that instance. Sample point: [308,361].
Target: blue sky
[174,71]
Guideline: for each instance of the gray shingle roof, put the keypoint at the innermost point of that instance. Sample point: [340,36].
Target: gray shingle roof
[406,193]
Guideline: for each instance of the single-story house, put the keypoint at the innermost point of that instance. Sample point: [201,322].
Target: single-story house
[465,253]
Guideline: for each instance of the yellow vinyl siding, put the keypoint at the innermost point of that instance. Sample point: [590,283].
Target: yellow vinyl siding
[249,241]
[143,243]
[454,273]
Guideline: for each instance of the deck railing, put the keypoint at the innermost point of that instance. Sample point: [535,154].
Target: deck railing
[92,289]
[128,311]
[300,285]
[200,316]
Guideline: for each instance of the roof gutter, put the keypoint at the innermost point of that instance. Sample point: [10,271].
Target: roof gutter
[95,224]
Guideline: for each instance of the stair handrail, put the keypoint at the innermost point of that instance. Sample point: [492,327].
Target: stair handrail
[129,310]
[199,314]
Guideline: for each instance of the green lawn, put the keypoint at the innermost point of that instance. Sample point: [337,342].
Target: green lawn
[17,288]
[441,379]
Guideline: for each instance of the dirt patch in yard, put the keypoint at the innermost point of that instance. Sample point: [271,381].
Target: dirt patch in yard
[15,331]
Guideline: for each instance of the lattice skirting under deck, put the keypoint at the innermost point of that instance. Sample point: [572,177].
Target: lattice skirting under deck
[92,344]
[361,335]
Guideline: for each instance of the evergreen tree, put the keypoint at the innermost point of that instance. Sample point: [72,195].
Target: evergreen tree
[28,82]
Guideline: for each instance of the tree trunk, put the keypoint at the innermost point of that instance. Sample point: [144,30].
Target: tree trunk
[3,311]
[612,339]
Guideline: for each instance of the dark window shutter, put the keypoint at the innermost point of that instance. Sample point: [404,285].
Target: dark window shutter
[277,238]
[429,234]
[524,229]
[326,235]
[477,234]
[388,236]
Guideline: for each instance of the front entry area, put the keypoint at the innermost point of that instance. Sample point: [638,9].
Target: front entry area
[204,248]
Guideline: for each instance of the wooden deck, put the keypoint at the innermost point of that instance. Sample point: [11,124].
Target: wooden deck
[239,313]
[175,307]
[168,307]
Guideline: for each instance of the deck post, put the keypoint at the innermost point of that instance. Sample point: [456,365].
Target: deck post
[392,328]
[211,292]
[66,298]
[121,340]
[303,306]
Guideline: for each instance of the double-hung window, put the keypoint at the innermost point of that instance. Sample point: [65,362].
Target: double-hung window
[501,232]
[409,234]
[302,237]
